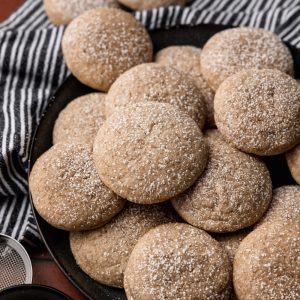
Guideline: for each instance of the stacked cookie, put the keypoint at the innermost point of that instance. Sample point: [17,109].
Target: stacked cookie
[155,201]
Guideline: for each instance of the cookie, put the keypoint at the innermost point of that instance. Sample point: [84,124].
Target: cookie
[186,59]
[103,253]
[177,261]
[230,243]
[62,12]
[67,192]
[155,82]
[148,152]
[149,4]
[80,120]
[293,161]
[285,205]
[233,50]
[267,265]
[102,43]
[233,192]
[258,111]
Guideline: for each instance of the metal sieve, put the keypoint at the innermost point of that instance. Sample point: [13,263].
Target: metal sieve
[15,264]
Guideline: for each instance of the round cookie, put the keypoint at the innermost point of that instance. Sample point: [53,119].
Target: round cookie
[148,152]
[233,50]
[186,59]
[231,241]
[155,82]
[233,192]
[177,261]
[258,111]
[267,265]
[80,120]
[149,4]
[103,253]
[293,161]
[285,206]
[62,12]
[102,43]
[67,192]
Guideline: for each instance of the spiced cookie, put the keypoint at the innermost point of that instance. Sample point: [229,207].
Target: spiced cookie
[102,43]
[148,152]
[177,261]
[285,205]
[186,59]
[233,192]
[66,189]
[231,241]
[267,265]
[233,50]
[80,120]
[155,82]
[258,111]
[293,161]
[62,12]
[149,4]
[103,253]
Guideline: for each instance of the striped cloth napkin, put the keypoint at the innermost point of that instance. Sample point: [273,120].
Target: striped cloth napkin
[32,68]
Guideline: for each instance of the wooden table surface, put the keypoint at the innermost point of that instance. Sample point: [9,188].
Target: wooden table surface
[45,271]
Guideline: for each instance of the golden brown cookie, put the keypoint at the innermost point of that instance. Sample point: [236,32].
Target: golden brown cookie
[80,120]
[177,261]
[62,12]
[233,192]
[67,191]
[293,161]
[155,82]
[233,50]
[284,207]
[148,152]
[186,59]
[230,243]
[103,253]
[102,43]
[149,4]
[267,265]
[258,111]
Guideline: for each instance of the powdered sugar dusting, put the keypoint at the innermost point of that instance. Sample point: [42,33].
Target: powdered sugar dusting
[80,120]
[155,82]
[258,111]
[103,253]
[233,192]
[267,263]
[64,11]
[285,205]
[149,151]
[103,43]
[237,49]
[177,261]
[67,191]
[186,59]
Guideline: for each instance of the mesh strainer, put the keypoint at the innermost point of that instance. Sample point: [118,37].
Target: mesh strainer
[15,264]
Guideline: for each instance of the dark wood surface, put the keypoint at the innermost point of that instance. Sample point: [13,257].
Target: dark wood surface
[7,7]
[45,271]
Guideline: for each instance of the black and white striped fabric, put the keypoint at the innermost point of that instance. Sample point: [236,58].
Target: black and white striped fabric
[31,68]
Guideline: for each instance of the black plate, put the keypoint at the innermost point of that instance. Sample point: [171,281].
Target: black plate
[57,240]
[32,292]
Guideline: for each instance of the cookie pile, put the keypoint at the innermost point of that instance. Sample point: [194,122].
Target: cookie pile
[157,200]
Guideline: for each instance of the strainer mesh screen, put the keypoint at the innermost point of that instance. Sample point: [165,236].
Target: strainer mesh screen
[12,267]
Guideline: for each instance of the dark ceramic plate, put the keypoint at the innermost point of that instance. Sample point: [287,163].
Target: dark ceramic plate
[57,240]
